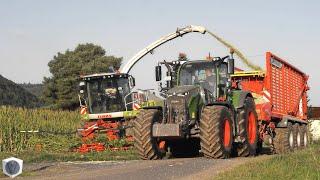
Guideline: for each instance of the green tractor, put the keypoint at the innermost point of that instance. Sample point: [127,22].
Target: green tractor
[202,111]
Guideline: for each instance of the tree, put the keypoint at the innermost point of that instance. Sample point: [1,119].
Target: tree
[182,57]
[60,90]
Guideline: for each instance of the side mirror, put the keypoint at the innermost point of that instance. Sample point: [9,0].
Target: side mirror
[82,86]
[231,66]
[158,73]
[229,84]
[132,81]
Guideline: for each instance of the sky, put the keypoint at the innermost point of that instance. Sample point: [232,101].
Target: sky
[32,32]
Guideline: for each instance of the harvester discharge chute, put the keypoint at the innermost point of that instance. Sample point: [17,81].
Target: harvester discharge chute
[179,33]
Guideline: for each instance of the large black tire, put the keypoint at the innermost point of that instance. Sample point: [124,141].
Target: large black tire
[259,147]
[216,132]
[297,129]
[304,132]
[185,148]
[284,139]
[146,145]
[248,129]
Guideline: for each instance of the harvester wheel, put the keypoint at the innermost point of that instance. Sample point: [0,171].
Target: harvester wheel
[216,132]
[147,146]
[284,139]
[248,129]
[304,137]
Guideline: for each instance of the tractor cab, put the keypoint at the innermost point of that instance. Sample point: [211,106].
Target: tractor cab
[213,76]
[106,92]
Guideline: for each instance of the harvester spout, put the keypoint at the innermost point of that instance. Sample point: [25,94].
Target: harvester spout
[179,33]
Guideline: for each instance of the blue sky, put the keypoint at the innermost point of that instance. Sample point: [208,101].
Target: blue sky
[32,32]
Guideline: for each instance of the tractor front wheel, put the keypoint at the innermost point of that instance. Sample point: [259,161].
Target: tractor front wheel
[147,146]
[216,132]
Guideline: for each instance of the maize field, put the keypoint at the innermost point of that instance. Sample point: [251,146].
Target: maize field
[49,130]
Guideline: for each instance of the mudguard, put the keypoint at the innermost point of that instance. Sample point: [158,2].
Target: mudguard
[238,97]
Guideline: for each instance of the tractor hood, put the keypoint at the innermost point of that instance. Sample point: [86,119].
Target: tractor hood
[181,104]
[182,90]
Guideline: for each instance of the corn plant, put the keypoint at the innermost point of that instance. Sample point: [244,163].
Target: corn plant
[50,130]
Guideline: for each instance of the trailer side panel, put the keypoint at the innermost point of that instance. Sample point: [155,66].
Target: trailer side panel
[287,86]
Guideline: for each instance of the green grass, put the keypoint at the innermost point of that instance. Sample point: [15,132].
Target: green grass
[304,164]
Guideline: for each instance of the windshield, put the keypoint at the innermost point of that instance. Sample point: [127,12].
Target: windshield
[202,73]
[107,95]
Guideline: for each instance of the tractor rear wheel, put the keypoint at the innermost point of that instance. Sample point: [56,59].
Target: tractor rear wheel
[284,139]
[248,129]
[216,132]
[147,146]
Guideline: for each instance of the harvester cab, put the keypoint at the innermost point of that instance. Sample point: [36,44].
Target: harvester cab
[106,93]
[107,104]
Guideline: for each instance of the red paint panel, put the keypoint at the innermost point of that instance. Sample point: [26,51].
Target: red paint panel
[287,86]
[283,88]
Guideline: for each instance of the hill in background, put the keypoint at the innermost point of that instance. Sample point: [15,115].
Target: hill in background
[14,95]
[35,89]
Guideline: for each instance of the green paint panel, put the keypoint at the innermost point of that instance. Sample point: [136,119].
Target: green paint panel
[152,104]
[130,114]
[235,97]
[194,105]
[85,116]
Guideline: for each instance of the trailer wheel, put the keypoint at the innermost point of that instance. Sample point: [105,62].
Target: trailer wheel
[304,132]
[216,132]
[284,139]
[248,129]
[147,146]
[298,133]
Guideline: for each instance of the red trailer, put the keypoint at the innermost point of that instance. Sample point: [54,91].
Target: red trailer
[280,94]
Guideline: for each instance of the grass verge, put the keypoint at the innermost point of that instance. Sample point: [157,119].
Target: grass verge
[304,164]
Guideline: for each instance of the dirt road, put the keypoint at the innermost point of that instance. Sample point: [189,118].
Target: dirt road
[186,168]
